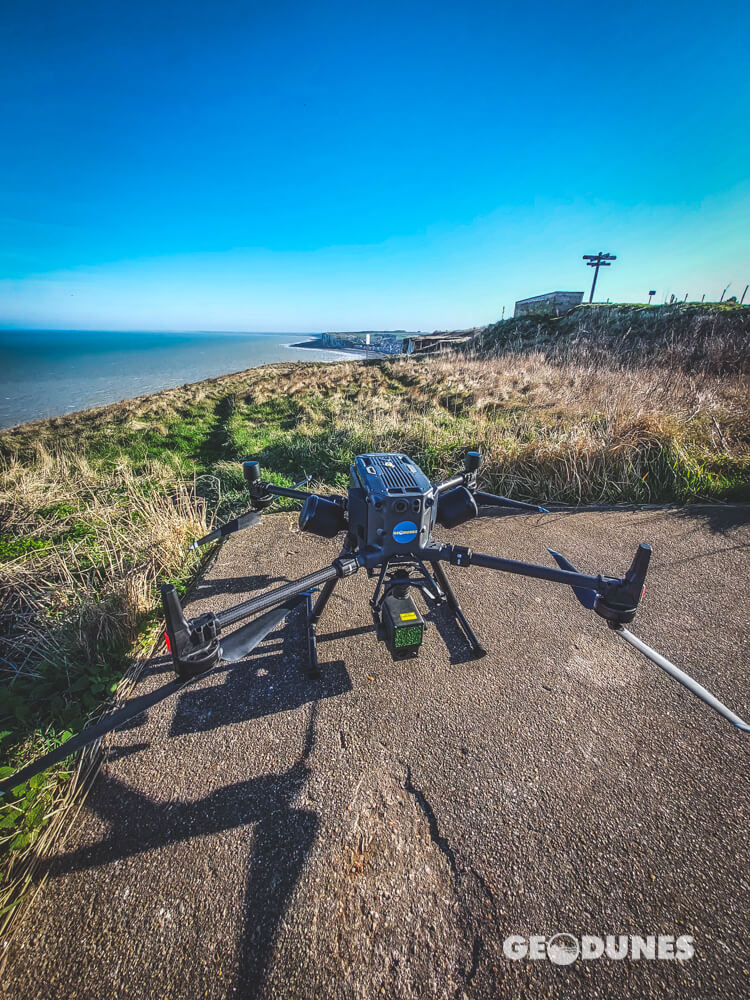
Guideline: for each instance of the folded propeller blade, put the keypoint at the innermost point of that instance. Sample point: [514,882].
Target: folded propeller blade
[584,595]
[244,640]
[243,521]
[679,675]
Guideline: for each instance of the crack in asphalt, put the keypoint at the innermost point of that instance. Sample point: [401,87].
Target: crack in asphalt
[485,889]
[440,842]
[476,951]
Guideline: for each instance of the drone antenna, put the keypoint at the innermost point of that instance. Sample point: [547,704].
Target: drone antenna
[679,675]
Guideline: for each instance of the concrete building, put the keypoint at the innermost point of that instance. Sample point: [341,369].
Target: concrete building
[549,304]
[435,343]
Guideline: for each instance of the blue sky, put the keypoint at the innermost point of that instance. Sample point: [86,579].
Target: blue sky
[301,166]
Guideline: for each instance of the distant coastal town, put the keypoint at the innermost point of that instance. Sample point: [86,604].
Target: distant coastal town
[389,342]
[382,343]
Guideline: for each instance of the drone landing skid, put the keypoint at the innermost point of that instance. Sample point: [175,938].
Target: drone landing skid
[314,611]
[391,601]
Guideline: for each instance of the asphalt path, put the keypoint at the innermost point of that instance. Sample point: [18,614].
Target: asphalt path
[381,831]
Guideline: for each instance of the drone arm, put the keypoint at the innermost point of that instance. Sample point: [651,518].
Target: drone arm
[468,478]
[615,600]
[246,520]
[288,491]
[458,555]
[262,493]
[341,567]
[451,484]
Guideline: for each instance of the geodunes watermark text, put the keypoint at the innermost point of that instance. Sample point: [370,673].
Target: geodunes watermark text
[564,949]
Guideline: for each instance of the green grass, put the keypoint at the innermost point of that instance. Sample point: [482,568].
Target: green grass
[84,547]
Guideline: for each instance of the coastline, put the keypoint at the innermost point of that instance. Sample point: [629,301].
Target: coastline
[168,392]
[348,352]
[47,375]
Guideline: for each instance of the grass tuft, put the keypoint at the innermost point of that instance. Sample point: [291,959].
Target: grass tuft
[85,550]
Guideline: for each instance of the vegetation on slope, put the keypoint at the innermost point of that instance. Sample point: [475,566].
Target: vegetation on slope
[707,337]
[99,507]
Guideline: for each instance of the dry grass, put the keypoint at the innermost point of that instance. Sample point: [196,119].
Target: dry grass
[553,431]
[709,337]
[74,597]
[104,540]
[566,433]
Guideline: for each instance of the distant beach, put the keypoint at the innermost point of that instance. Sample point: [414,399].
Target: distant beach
[48,373]
[347,352]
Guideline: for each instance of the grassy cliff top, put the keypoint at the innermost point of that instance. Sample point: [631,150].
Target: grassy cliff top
[708,336]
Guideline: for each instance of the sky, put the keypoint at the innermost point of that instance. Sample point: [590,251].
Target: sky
[394,165]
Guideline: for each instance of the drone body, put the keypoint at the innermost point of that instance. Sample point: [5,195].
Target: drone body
[387,519]
[388,515]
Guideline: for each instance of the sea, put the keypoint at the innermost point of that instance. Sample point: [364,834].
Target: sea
[47,373]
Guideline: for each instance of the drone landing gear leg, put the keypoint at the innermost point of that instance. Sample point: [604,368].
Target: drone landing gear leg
[314,611]
[476,647]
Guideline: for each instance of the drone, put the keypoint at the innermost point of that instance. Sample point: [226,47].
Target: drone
[387,521]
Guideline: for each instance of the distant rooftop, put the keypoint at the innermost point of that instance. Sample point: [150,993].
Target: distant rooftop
[548,303]
[545,296]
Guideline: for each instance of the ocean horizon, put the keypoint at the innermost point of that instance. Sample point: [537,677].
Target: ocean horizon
[48,373]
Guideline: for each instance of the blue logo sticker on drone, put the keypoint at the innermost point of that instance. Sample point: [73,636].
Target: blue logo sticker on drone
[404,532]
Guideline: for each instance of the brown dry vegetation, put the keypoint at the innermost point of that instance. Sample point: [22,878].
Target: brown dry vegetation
[710,337]
[83,551]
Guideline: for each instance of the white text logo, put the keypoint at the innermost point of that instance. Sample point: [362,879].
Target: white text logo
[564,949]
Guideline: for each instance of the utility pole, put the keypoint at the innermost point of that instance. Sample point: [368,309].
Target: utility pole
[597,260]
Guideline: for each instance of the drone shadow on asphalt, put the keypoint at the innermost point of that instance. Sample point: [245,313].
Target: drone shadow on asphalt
[270,681]
[282,833]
